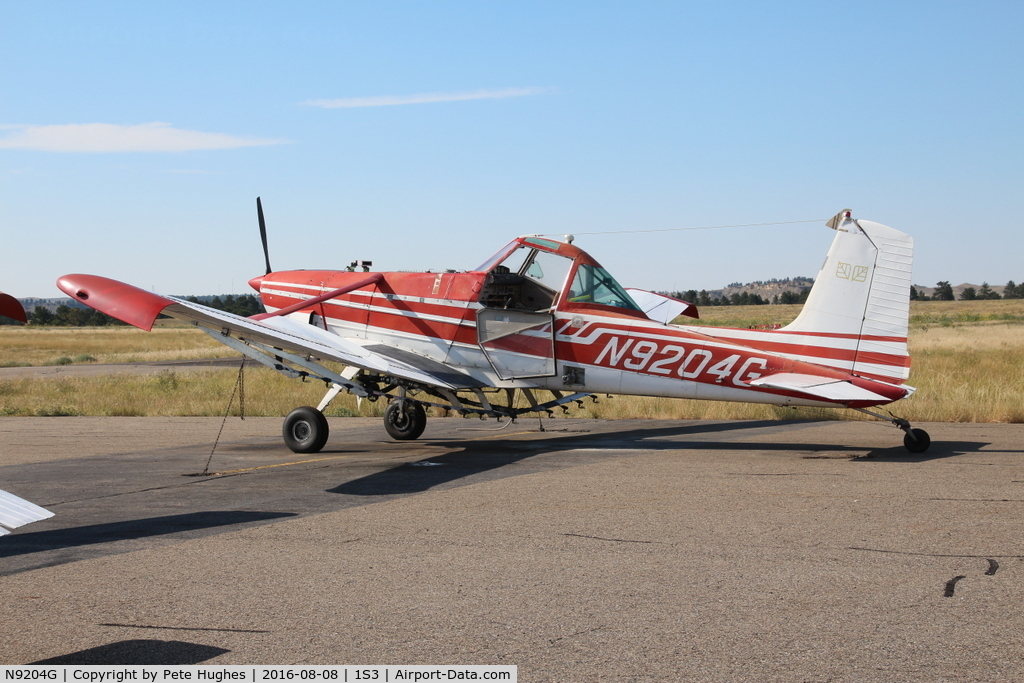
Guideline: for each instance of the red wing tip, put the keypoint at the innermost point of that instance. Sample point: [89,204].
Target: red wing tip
[119,300]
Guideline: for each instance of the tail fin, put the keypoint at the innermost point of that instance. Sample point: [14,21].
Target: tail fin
[862,294]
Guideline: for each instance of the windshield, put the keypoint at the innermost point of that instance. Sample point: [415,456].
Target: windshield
[595,285]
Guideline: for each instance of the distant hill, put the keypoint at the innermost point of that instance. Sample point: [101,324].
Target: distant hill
[767,290]
[31,303]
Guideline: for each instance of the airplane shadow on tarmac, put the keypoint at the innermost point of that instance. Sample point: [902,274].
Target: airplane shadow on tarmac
[478,456]
[128,652]
[54,539]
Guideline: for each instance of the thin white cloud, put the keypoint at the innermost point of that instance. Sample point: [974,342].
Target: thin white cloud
[107,137]
[424,98]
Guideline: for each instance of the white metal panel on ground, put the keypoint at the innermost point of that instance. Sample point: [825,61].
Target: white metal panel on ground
[16,512]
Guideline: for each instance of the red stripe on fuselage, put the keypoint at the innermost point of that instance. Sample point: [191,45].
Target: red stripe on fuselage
[696,357]
[826,335]
[826,352]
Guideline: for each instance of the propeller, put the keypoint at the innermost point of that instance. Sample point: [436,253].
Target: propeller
[263,233]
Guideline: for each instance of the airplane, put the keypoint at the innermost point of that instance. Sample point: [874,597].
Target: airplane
[542,314]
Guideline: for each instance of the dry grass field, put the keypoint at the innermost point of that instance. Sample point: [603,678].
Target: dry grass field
[32,345]
[968,366]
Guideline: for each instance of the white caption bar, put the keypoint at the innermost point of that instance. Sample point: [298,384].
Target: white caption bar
[41,673]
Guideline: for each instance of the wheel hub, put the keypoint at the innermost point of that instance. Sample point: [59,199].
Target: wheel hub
[301,431]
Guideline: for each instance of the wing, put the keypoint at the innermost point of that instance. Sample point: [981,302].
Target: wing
[269,341]
[16,512]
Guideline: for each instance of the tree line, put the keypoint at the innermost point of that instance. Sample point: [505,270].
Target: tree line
[73,316]
[944,292]
[703,299]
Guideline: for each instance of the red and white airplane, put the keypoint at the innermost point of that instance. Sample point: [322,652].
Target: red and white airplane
[542,314]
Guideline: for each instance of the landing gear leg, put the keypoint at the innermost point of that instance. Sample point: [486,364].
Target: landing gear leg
[332,393]
[914,440]
[405,420]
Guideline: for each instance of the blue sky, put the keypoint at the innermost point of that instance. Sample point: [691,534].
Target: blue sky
[135,137]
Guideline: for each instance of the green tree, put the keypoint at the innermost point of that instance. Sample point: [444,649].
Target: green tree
[794,297]
[969,294]
[41,315]
[943,291]
[986,292]
[1012,290]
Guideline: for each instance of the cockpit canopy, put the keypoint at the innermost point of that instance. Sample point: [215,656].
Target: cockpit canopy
[536,274]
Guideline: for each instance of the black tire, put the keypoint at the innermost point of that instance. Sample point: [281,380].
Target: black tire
[919,443]
[405,420]
[305,430]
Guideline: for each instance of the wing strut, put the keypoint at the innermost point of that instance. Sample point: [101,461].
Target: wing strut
[306,303]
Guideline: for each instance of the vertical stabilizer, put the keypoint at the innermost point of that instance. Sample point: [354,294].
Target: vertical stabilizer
[862,294]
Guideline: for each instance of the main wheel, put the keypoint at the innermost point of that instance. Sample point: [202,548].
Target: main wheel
[405,420]
[918,443]
[305,430]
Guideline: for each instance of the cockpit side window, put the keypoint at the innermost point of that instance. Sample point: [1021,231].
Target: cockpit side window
[595,285]
[549,270]
[526,279]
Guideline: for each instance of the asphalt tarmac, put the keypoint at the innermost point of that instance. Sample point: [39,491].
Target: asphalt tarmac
[634,550]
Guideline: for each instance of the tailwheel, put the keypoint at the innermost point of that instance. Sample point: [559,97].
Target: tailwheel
[916,440]
[305,430]
[405,420]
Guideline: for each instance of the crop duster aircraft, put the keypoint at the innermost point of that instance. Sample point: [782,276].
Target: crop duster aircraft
[542,314]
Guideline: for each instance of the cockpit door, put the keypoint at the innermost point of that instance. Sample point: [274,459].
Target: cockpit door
[518,344]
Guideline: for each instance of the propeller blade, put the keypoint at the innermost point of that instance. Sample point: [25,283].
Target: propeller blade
[263,233]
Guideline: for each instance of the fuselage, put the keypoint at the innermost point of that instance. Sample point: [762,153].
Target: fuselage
[561,323]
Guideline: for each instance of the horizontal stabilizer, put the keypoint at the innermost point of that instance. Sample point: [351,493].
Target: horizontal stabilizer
[16,512]
[840,391]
